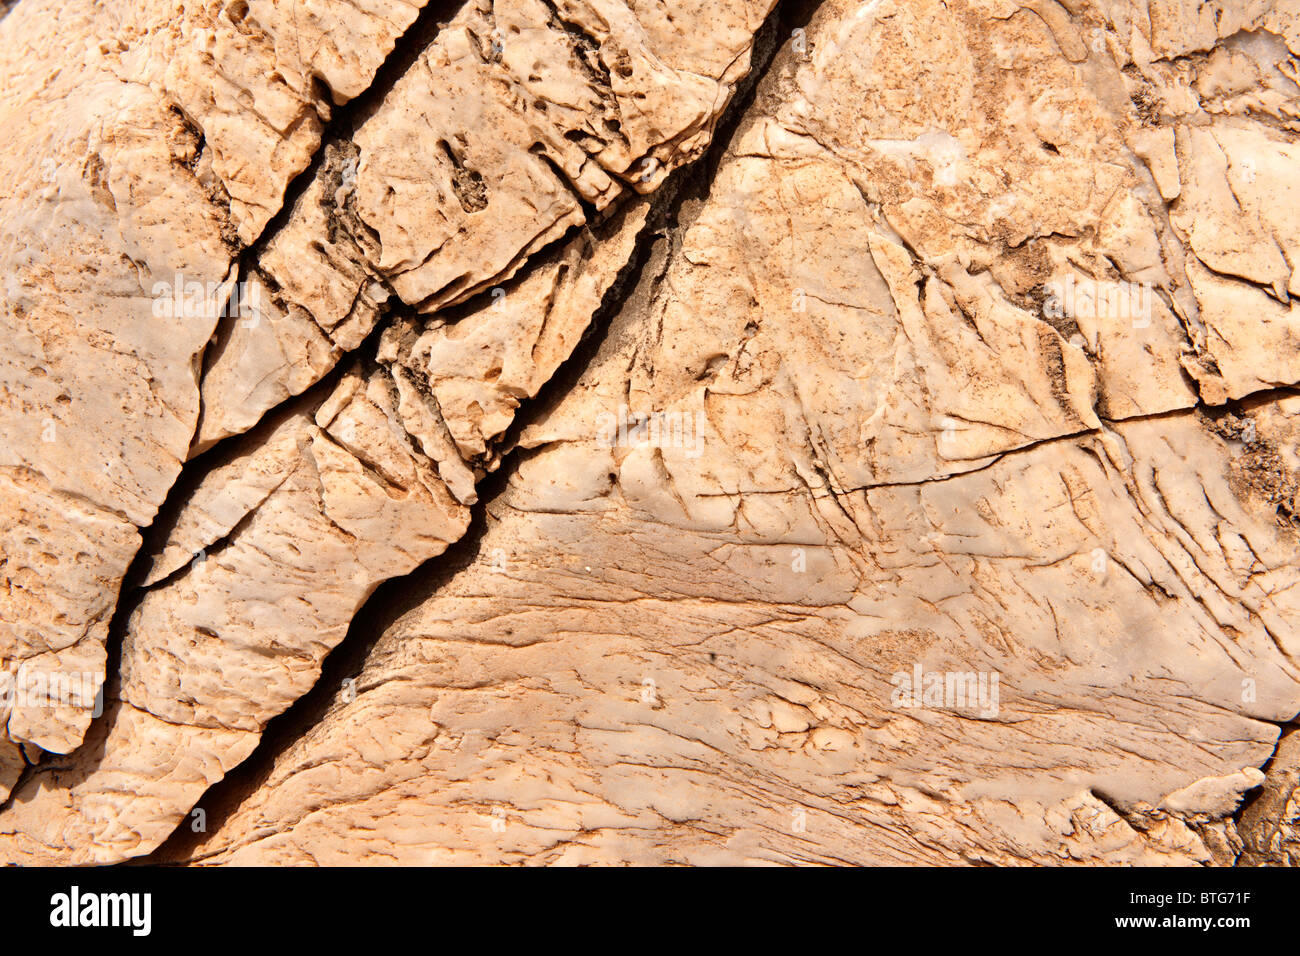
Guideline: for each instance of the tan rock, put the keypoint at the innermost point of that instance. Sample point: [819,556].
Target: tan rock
[149,144]
[276,549]
[912,481]
[474,160]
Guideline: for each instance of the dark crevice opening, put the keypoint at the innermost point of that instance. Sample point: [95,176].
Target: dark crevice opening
[344,122]
[674,205]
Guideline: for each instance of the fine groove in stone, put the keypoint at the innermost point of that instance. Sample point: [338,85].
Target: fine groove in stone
[399,595]
[549,432]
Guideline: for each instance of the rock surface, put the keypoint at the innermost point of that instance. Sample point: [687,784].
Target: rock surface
[150,143]
[835,432]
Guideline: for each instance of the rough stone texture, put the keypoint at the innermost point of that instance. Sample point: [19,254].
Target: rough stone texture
[150,142]
[1270,825]
[483,152]
[317,284]
[274,550]
[968,349]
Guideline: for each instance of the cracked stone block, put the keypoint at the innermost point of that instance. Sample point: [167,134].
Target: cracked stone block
[848,432]
[152,142]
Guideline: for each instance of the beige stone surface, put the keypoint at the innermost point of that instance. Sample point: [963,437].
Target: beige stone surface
[275,550]
[1270,826]
[150,142]
[176,184]
[482,153]
[892,462]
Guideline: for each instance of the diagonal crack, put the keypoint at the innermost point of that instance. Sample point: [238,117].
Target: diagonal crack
[341,128]
[673,205]
[408,47]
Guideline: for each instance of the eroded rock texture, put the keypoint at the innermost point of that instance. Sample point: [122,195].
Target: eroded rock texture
[842,432]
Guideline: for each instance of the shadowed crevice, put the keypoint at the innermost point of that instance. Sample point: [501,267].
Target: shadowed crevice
[674,206]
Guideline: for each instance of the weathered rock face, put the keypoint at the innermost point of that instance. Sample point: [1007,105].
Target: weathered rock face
[893,463]
[377,459]
[150,143]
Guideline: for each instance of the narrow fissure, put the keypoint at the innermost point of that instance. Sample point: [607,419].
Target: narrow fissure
[341,129]
[684,188]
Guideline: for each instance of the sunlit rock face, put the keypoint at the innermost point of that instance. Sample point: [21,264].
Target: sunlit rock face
[593,431]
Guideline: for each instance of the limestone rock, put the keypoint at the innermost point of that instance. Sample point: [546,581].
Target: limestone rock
[1270,825]
[846,432]
[151,142]
[482,153]
[305,294]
